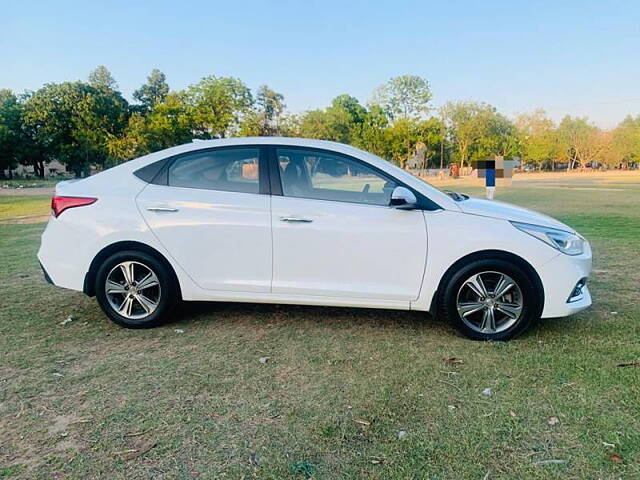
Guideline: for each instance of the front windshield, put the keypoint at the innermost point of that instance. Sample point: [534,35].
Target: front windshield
[403,174]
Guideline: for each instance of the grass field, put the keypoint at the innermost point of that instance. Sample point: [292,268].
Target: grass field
[345,393]
[31,183]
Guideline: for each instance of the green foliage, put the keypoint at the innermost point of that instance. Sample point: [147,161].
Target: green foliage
[498,136]
[371,134]
[626,140]
[73,122]
[102,79]
[538,138]
[477,131]
[339,122]
[404,99]
[10,129]
[217,105]
[166,125]
[431,133]
[264,119]
[83,124]
[153,92]
[317,124]
[580,141]
[405,96]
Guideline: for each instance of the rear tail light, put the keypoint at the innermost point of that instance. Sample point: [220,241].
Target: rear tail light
[60,204]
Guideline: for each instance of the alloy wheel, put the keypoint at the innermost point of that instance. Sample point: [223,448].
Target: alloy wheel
[133,290]
[489,302]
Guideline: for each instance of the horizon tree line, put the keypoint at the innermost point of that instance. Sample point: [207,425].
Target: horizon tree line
[85,123]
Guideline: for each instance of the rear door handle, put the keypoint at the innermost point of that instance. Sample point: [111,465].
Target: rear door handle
[296,220]
[160,208]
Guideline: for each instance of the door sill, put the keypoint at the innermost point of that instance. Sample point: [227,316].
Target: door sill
[252,297]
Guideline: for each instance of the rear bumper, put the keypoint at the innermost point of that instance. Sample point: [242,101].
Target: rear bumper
[62,255]
[559,277]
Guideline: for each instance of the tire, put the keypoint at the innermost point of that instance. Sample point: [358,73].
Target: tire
[463,306]
[145,300]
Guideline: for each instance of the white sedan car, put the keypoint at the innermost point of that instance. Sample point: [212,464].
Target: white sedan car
[298,221]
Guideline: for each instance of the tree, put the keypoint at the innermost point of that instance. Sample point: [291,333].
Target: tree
[168,124]
[399,135]
[73,121]
[538,138]
[346,115]
[370,134]
[217,106]
[264,119]
[101,78]
[10,130]
[316,124]
[430,133]
[463,126]
[477,131]
[132,143]
[339,122]
[626,141]
[271,105]
[289,125]
[581,141]
[406,97]
[498,136]
[153,92]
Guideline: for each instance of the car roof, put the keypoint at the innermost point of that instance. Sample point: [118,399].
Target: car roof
[197,144]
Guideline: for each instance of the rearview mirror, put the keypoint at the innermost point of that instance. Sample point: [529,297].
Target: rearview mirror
[404,199]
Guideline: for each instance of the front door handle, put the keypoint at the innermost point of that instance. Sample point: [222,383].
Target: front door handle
[159,208]
[296,220]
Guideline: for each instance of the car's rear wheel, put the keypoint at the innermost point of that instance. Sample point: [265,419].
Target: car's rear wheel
[135,290]
[491,299]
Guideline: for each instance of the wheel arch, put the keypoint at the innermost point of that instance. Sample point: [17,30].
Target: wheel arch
[106,252]
[484,255]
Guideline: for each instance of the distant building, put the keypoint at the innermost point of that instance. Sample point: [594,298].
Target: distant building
[51,169]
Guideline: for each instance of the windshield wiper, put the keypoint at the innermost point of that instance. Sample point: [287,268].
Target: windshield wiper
[458,197]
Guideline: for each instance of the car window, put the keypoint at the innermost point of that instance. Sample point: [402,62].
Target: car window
[325,176]
[230,170]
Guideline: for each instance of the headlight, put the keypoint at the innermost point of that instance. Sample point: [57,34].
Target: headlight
[566,242]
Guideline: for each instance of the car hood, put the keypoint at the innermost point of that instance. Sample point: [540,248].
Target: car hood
[507,211]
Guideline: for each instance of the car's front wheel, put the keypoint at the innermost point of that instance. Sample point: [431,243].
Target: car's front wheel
[135,290]
[491,299]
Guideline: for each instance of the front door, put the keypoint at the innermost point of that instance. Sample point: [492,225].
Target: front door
[212,218]
[334,234]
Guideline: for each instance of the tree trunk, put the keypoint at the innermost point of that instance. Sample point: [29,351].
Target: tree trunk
[408,149]
[441,154]
[38,168]
[40,164]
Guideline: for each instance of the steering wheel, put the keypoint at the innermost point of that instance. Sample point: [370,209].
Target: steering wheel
[366,188]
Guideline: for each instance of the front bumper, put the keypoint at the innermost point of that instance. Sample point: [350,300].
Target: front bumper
[46,275]
[559,277]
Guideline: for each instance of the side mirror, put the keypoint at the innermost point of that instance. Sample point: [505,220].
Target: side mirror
[403,199]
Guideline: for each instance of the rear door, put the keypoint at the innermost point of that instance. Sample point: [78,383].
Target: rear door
[211,211]
[334,233]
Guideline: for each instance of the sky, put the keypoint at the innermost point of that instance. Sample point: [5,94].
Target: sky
[577,57]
